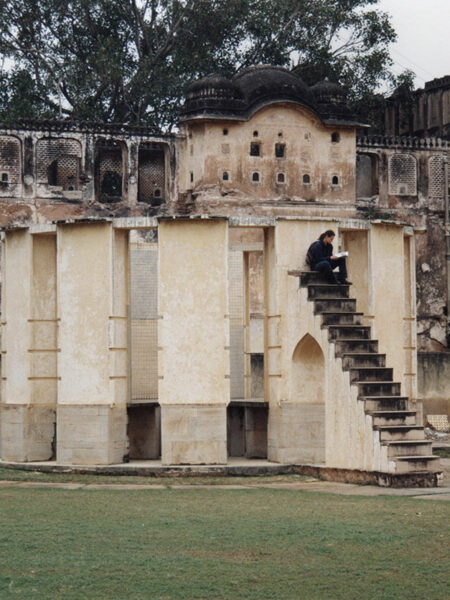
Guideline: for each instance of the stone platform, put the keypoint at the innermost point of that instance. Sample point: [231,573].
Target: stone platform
[242,468]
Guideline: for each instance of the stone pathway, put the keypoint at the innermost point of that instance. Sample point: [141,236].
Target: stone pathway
[346,489]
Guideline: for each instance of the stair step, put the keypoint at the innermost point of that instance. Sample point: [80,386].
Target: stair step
[309,277]
[398,448]
[378,388]
[322,305]
[381,418]
[327,290]
[384,403]
[400,432]
[411,464]
[362,359]
[336,332]
[341,318]
[371,374]
[344,346]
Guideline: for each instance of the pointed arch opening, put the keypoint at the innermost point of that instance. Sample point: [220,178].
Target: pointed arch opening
[308,396]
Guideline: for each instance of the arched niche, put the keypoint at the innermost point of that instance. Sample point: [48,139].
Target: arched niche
[308,372]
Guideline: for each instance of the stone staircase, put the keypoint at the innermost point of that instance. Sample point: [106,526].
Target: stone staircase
[407,449]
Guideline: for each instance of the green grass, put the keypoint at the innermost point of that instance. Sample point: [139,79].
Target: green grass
[220,544]
[442,452]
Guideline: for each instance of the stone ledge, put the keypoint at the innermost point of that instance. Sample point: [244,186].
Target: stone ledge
[260,468]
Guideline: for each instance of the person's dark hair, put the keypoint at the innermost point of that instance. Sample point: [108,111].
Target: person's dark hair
[327,233]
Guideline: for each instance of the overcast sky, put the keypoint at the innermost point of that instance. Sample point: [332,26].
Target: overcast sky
[423,42]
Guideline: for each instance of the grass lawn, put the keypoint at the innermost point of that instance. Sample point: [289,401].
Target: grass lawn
[193,543]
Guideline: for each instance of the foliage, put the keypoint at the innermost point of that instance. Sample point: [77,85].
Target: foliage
[222,544]
[130,60]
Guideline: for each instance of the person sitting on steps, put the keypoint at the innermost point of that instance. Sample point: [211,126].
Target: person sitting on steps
[320,258]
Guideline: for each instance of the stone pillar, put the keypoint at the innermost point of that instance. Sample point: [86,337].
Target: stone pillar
[93,364]
[29,337]
[387,292]
[193,335]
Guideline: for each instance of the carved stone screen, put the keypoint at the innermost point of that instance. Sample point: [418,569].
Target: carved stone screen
[402,175]
[151,173]
[109,171]
[237,331]
[9,160]
[58,162]
[144,316]
[436,177]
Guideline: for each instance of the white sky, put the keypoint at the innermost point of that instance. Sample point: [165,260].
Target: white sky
[423,37]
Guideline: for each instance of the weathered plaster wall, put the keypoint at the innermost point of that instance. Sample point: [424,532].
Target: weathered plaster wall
[91,415]
[215,148]
[194,340]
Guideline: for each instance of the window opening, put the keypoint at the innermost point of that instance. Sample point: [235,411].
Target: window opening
[225,132]
[192,177]
[306,178]
[280,150]
[255,177]
[255,149]
[335,180]
[335,137]
[4,177]
[225,176]
[281,178]
[255,134]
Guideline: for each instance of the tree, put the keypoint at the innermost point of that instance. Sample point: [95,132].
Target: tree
[130,60]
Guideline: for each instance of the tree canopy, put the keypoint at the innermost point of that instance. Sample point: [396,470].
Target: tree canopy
[130,60]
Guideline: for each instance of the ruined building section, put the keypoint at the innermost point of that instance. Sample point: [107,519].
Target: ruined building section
[53,170]
[403,179]
[426,114]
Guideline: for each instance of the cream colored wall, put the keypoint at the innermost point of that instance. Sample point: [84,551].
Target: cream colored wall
[16,304]
[308,150]
[356,242]
[388,293]
[43,323]
[84,307]
[193,304]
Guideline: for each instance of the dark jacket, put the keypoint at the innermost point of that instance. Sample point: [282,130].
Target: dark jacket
[320,252]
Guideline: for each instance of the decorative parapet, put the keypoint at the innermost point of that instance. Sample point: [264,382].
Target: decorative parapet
[392,141]
[64,126]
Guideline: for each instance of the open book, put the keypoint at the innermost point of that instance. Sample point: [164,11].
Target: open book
[339,254]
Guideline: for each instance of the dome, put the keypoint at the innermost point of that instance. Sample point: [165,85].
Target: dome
[264,83]
[212,93]
[330,98]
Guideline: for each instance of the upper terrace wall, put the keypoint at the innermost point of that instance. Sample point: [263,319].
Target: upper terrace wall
[50,171]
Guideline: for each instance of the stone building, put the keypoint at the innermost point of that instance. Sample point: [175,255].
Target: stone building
[426,114]
[164,310]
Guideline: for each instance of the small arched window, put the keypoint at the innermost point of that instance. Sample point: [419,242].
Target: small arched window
[335,180]
[335,137]
[255,177]
[225,132]
[225,176]
[281,178]
[157,193]
[4,177]
[306,178]
[255,134]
